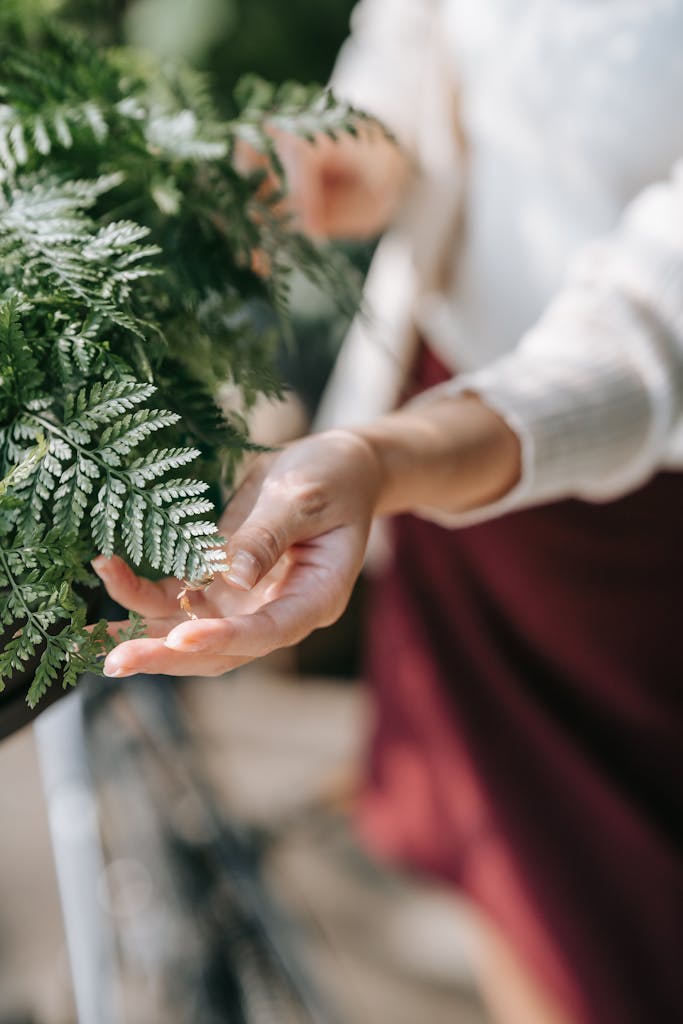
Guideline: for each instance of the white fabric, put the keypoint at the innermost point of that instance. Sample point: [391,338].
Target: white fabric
[565,306]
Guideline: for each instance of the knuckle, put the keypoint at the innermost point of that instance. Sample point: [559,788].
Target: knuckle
[311,501]
[304,500]
[265,543]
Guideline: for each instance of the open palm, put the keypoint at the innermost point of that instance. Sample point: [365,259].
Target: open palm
[297,534]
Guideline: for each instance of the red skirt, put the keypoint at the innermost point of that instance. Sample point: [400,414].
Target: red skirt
[529,735]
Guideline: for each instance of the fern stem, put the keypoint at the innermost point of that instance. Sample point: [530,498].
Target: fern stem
[16,589]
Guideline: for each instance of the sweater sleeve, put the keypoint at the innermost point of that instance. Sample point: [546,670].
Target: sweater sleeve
[382,64]
[595,389]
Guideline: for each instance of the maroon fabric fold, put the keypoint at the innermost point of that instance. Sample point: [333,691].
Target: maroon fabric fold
[529,731]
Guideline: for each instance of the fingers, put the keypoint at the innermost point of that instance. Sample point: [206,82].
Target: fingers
[247,160]
[151,657]
[281,623]
[156,600]
[307,512]
[313,594]
[281,517]
[210,647]
[250,636]
[314,486]
[151,627]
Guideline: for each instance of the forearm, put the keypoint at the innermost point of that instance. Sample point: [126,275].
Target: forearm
[448,453]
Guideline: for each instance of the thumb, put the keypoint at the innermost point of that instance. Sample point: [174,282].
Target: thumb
[271,528]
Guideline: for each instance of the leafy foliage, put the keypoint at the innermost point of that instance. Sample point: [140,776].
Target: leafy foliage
[127,297]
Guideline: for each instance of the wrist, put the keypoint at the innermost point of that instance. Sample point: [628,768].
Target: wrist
[450,453]
[367,469]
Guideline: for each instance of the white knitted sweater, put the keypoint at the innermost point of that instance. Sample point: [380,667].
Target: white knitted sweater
[542,250]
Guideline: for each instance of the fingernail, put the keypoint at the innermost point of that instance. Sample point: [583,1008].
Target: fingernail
[100,564]
[243,571]
[179,643]
[114,670]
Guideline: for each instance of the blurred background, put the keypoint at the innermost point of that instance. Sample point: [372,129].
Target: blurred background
[185,853]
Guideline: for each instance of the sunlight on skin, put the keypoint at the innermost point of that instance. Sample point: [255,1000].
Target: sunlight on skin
[349,187]
[303,552]
[298,529]
[233,625]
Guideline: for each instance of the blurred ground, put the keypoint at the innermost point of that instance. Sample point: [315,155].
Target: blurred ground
[34,973]
[280,754]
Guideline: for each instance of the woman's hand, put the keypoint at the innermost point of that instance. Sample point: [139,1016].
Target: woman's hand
[298,528]
[349,187]
[297,532]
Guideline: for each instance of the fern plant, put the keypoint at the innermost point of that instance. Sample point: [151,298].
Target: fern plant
[128,295]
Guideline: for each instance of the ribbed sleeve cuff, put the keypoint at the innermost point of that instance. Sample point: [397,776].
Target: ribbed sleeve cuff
[595,390]
[590,397]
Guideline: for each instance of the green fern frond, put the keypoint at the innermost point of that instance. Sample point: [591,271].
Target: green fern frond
[20,376]
[127,303]
[306,111]
[46,616]
[24,138]
[50,246]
